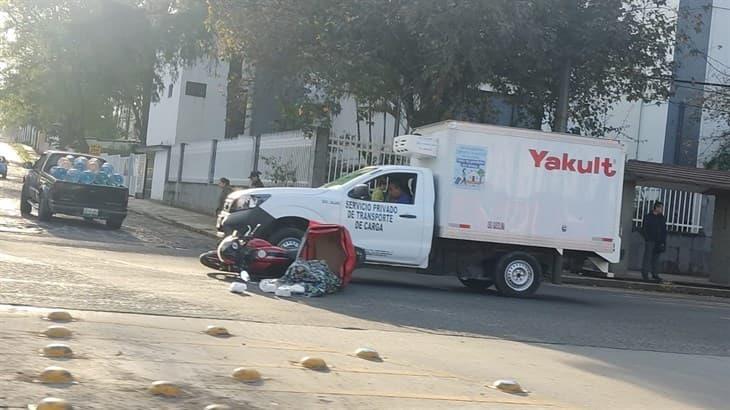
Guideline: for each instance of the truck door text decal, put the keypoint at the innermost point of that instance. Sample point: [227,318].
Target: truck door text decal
[368,216]
[566,163]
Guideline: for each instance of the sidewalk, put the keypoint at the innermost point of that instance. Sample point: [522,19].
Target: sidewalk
[192,221]
[679,284]
[688,285]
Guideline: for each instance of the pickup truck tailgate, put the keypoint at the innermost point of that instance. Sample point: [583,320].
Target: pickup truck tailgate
[92,196]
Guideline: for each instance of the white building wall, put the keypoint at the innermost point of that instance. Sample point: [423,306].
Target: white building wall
[345,123]
[158,176]
[641,127]
[203,119]
[162,126]
[718,71]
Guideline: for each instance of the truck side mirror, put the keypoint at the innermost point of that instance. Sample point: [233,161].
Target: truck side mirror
[360,191]
[28,165]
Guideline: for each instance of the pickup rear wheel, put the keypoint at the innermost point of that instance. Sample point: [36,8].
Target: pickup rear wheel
[44,209]
[518,274]
[114,223]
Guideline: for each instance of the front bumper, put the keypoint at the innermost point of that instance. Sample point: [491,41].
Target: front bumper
[228,222]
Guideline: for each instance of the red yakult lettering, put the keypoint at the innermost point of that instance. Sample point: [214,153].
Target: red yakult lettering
[564,162]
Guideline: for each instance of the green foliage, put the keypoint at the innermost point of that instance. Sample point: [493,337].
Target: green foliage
[429,58]
[280,172]
[70,64]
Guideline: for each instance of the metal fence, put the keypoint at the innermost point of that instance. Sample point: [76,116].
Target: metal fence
[133,168]
[347,155]
[285,153]
[682,209]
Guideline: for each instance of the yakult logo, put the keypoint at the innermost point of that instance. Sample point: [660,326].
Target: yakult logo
[566,163]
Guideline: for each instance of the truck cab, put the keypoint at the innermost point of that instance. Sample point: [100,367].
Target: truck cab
[392,230]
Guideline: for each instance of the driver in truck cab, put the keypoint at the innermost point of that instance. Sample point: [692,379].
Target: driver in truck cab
[398,195]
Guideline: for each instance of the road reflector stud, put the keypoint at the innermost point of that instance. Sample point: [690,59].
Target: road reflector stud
[313,363]
[55,375]
[508,386]
[57,332]
[217,331]
[246,375]
[52,403]
[367,354]
[59,316]
[165,389]
[57,350]
[217,407]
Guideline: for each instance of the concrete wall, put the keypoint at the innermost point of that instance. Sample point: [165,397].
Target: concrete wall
[686,254]
[195,197]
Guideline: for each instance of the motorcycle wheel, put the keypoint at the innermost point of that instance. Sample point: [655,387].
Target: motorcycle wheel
[210,259]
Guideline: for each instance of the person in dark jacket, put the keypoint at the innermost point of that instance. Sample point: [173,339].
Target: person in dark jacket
[226,190]
[255,178]
[655,240]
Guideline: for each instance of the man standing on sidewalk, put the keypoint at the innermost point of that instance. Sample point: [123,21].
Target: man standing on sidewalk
[655,240]
[226,190]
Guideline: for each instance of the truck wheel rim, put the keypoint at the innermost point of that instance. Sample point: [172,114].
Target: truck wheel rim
[289,243]
[519,275]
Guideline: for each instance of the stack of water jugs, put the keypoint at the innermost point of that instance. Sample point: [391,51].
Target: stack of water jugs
[82,170]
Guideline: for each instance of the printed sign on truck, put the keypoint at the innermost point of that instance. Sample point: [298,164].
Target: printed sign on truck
[470,167]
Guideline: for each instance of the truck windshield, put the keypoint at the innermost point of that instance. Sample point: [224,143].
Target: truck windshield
[349,177]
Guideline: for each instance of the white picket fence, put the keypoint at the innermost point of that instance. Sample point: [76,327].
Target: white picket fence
[682,209]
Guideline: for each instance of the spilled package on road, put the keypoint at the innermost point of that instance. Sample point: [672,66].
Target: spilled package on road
[324,264]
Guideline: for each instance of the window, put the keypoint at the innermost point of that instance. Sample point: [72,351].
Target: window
[397,187]
[169,91]
[195,89]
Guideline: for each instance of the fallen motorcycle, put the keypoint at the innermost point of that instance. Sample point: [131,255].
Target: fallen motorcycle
[244,252]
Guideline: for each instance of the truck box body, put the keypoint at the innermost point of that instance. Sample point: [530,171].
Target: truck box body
[522,187]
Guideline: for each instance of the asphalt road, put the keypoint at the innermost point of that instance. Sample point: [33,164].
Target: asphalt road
[151,267]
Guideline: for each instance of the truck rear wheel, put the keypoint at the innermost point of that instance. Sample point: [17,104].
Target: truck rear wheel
[518,274]
[114,223]
[286,237]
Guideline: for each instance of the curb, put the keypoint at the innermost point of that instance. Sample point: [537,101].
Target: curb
[652,287]
[175,223]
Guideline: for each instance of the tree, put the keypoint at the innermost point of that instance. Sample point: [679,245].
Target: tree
[69,65]
[429,59]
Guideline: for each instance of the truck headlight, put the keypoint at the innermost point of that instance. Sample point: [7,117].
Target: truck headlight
[248,202]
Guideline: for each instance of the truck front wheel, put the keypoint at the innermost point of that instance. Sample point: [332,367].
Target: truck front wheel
[518,274]
[288,238]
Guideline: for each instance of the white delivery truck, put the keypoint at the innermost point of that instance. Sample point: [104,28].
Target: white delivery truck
[492,205]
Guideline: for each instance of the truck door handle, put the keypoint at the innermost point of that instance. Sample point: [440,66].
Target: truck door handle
[408,216]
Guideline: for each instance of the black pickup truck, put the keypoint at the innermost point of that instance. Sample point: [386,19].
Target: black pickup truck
[53,196]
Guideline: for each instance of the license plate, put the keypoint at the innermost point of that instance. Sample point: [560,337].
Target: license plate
[91,212]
